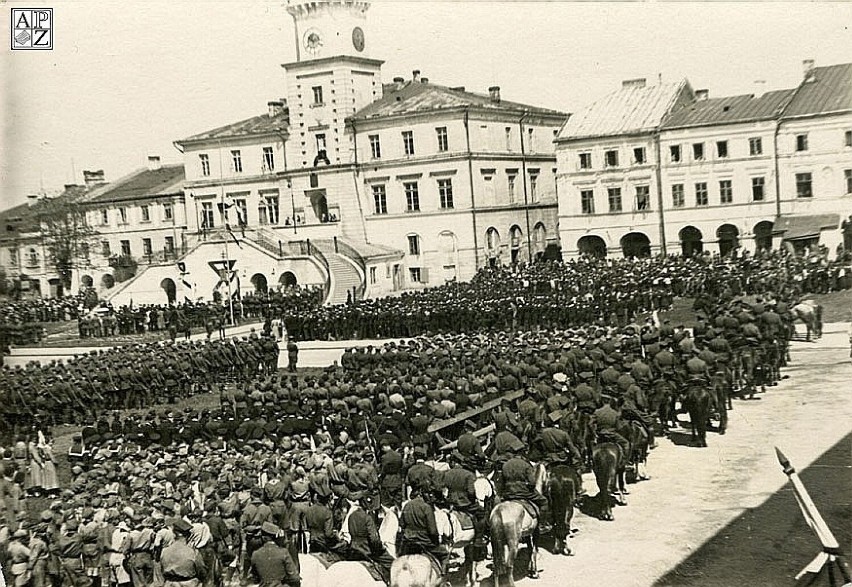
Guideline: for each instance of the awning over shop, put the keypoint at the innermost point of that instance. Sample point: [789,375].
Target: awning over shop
[804,227]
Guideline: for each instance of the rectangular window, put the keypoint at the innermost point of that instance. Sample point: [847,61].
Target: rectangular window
[508,138]
[205,164]
[530,141]
[268,210]
[443,142]
[414,274]
[639,155]
[511,188]
[125,248]
[122,215]
[105,251]
[104,216]
[587,201]
[380,199]
[236,161]
[408,142]
[375,147]
[614,198]
[412,196]
[757,186]
[445,191]
[373,277]
[847,175]
[317,90]
[585,160]
[208,220]
[643,198]
[726,191]
[698,151]
[268,159]
[701,198]
[803,185]
[413,244]
[241,210]
[170,244]
[611,158]
[674,153]
[168,211]
[755,146]
[848,135]
[146,213]
[533,188]
[321,143]
[722,149]
[678,199]
[801,142]
[146,247]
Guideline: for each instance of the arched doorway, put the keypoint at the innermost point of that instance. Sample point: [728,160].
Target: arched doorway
[320,205]
[87,281]
[539,240]
[492,246]
[635,244]
[763,235]
[57,290]
[258,280]
[108,281]
[516,238]
[168,286]
[288,279]
[448,247]
[729,239]
[691,243]
[592,246]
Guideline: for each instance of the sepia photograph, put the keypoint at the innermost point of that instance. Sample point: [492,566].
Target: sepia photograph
[414,293]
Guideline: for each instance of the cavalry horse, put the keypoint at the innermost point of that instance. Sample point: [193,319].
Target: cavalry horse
[698,402]
[510,524]
[609,468]
[413,570]
[809,312]
[562,485]
[721,391]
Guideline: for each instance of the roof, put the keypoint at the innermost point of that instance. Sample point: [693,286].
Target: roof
[370,251]
[803,227]
[829,91]
[168,179]
[418,97]
[256,125]
[23,218]
[730,109]
[631,109]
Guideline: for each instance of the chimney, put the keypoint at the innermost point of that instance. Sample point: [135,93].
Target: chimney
[808,68]
[458,88]
[154,162]
[415,76]
[424,80]
[494,93]
[275,107]
[398,82]
[93,178]
[638,82]
[702,95]
[759,87]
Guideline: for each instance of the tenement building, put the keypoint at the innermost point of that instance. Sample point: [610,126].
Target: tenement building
[666,168]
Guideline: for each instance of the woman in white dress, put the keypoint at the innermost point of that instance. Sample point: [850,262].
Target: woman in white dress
[36,468]
[49,480]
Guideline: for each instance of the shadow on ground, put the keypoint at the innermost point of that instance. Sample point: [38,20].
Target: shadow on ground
[770,544]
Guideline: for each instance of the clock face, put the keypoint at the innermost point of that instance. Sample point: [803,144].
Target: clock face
[312,41]
[358,38]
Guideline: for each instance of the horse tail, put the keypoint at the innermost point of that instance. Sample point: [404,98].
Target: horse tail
[404,575]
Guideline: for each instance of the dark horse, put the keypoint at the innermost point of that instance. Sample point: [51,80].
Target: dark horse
[698,403]
[563,486]
[608,466]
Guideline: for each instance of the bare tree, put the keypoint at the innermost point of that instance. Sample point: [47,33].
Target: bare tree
[66,235]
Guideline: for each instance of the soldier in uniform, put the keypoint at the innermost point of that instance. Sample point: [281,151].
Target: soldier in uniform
[272,564]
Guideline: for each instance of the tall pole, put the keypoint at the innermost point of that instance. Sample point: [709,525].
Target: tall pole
[227,257]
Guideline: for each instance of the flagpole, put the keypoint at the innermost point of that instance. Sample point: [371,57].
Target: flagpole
[227,257]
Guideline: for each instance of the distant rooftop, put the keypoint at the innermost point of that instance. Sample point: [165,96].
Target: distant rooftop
[168,179]
[256,125]
[829,90]
[730,109]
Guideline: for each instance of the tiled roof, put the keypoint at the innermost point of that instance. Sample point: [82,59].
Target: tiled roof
[801,227]
[829,91]
[24,217]
[627,110]
[730,109]
[257,125]
[145,183]
[417,97]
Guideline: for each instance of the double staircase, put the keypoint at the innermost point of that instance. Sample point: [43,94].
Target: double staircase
[346,275]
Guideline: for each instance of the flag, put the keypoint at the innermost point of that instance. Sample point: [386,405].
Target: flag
[231,232]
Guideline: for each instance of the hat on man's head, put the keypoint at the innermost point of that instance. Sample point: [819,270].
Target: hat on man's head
[270,529]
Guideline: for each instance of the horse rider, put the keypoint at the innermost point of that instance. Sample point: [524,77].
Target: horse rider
[272,563]
[556,446]
[319,521]
[419,530]
[364,541]
[518,483]
[607,419]
[460,482]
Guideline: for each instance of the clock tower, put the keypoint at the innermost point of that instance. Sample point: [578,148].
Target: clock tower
[332,78]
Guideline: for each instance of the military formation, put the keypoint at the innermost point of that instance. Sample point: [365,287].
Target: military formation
[289,463]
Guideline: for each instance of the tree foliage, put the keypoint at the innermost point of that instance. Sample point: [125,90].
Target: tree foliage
[68,238]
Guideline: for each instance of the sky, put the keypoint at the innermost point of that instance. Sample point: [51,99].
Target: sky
[127,78]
